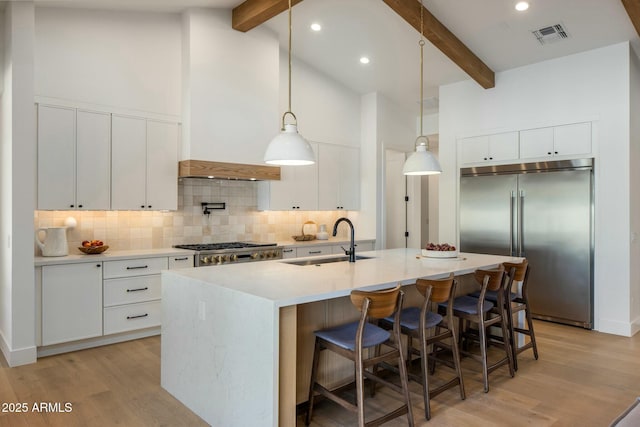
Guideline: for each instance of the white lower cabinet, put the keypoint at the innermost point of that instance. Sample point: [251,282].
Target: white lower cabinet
[89,300]
[71,302]
[327,249]
[128,317]
[132,294]
[313,251]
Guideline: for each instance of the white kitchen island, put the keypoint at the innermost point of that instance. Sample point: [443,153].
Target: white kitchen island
[237,339]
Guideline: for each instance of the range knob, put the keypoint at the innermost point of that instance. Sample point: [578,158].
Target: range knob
[223,258]
[205,260]
[254,255]
[216,259]
[233,257]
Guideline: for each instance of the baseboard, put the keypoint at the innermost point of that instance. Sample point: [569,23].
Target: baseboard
[615,327]
[635,326]
[23,356]
[50,350]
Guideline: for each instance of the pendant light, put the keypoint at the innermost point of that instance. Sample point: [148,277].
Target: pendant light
[289,148]
[422,161]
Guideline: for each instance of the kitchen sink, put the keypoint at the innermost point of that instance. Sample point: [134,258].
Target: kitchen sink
[325,260]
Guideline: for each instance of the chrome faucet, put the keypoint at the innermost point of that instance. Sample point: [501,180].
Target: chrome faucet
[352,249]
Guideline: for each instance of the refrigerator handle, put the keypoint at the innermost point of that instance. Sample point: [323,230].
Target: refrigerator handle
[512,202]
[521,225]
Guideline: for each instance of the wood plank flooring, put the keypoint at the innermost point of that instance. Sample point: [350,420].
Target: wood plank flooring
[583,378]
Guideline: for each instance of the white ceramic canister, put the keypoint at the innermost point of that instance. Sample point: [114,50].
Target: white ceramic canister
[55,241]
[322,234]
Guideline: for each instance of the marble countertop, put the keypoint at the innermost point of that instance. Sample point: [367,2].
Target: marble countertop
[288,284]
[110,255]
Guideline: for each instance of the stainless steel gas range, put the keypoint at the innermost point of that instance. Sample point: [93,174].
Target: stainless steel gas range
[232,252]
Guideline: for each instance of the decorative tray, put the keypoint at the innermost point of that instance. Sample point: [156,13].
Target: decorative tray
[305,237]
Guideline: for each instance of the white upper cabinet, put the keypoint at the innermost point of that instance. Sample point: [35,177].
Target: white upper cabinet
[338,177]
[489,148]
[93,163]
[296,190]
[162,165]
[73,158]
[129,163]
[144,164]
[566,140]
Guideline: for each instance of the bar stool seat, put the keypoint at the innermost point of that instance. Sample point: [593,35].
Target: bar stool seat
[468,305]
[410,318]
[345,335]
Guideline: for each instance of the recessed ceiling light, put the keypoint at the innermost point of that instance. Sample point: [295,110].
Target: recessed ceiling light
[522,6]
[364,60]
[316,27]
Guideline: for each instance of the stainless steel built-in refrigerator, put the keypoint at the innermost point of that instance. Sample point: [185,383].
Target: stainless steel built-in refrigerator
[542,211]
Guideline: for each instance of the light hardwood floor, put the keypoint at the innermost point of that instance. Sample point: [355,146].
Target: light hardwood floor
[583,378]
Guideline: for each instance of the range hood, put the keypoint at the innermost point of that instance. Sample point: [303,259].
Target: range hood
[233,171]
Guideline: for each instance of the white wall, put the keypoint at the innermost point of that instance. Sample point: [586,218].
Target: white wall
[232,89]
[384,126]
[18,157]
[327,111]
[634,160]
[589,86]
[127,60]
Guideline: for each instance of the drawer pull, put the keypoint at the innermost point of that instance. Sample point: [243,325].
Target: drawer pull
[315,252]
[138,289]
[287,250]
[138,267]
[138,316]
[181,259]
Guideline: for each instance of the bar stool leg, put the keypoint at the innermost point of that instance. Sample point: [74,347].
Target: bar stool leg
[424,355]
[482,330]
[314,372]
[506,339]
[456,361]
[404,381]
[532,335]
[360,388]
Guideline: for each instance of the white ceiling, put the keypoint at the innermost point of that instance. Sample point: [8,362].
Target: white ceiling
[492,29]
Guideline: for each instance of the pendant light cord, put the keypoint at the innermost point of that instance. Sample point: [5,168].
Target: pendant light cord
[289,110]
[421,43]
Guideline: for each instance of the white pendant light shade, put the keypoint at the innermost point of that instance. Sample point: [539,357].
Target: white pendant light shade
[289,148]
[421,162]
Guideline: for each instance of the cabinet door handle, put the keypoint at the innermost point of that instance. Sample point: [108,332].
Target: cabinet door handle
[138,316]
[138,267]
[138,289]
[181,259]
[315,252]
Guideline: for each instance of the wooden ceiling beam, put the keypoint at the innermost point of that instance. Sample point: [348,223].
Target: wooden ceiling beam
[446,41]
[252,13]
[633,10]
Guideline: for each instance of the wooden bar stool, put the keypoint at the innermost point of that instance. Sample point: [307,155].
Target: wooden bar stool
[350,341]
[520,302]
[470,309]
[418,322]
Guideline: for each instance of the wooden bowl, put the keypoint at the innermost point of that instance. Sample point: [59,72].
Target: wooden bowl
[92,250]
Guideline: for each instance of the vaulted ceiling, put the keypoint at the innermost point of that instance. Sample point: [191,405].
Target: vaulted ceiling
[385,30]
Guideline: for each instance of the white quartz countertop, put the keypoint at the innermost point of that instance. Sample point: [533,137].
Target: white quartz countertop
[287,284]
[110,255]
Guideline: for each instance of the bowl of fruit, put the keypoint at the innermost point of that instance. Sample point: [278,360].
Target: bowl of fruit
[92,247]
[440,250]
